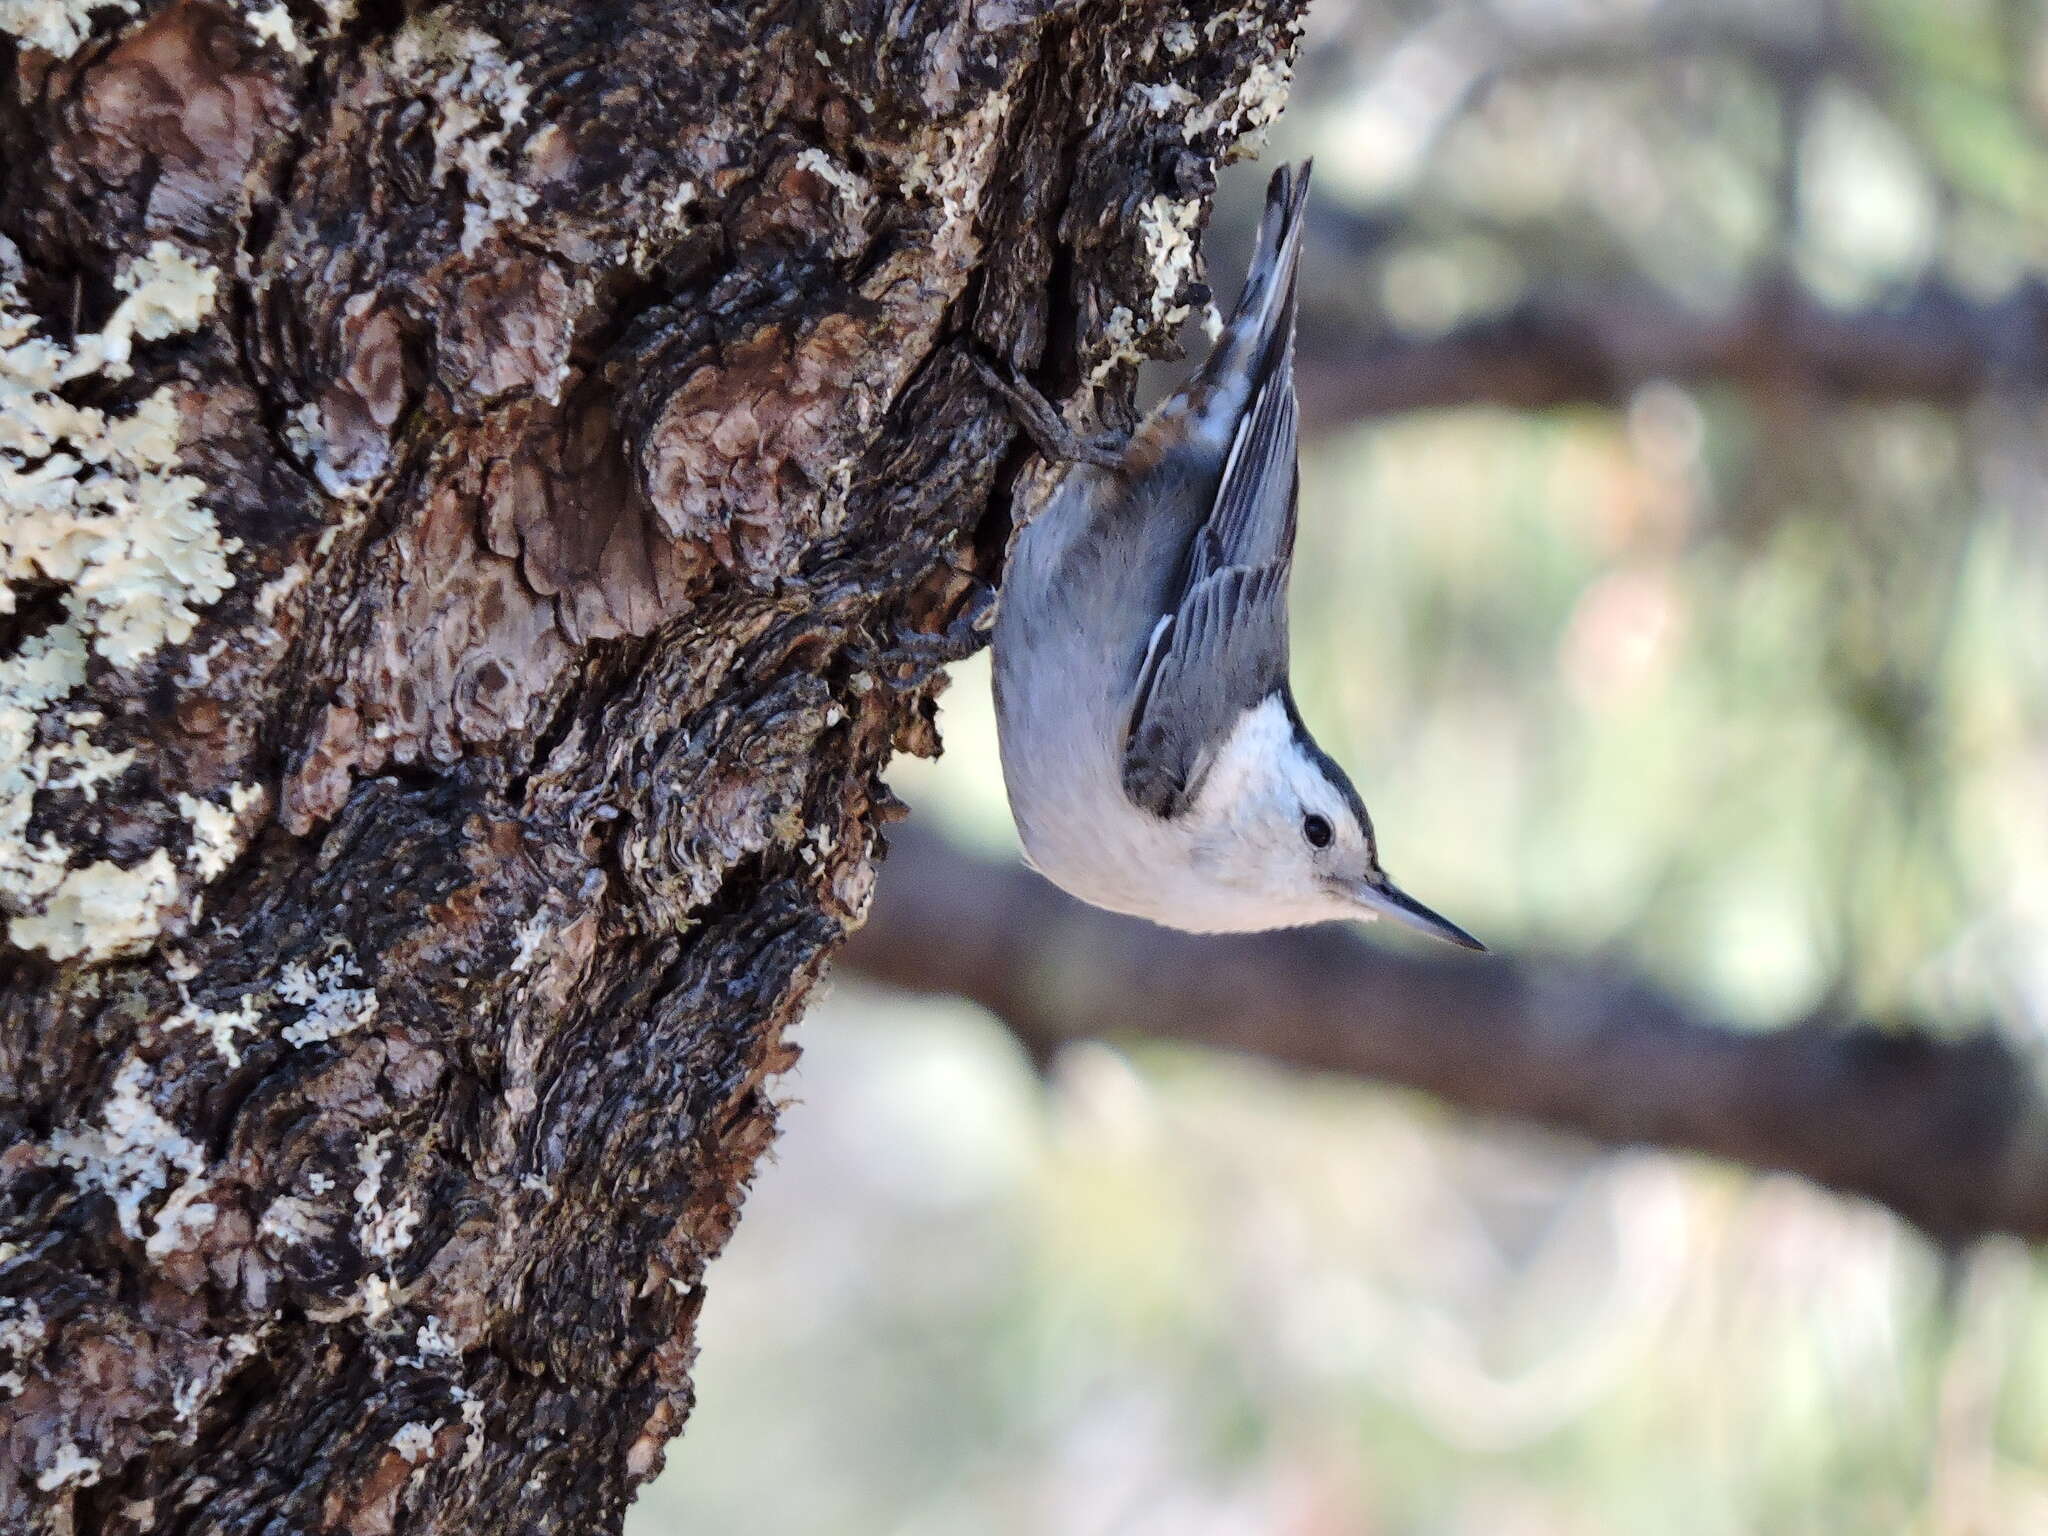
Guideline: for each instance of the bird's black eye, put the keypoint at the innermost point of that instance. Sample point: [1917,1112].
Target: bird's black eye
[1317,830]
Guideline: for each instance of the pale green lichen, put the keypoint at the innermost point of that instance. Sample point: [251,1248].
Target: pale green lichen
[91,503]
[69,1468]
[47,667]
[56,26]
[168,293]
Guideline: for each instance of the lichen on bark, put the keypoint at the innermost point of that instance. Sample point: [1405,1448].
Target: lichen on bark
[578,479]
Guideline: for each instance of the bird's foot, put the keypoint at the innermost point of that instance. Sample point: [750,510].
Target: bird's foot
[915,657]
[1045,427]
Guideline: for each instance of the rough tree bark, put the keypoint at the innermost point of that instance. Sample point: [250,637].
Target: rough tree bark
[483,490]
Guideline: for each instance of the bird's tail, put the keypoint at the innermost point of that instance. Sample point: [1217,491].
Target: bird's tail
[1262,324]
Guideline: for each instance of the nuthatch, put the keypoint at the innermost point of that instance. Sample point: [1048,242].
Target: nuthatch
[1155,759]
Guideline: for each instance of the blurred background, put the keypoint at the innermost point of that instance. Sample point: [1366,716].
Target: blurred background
[1672,579]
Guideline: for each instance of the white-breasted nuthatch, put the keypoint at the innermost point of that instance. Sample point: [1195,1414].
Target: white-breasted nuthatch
[1155,759]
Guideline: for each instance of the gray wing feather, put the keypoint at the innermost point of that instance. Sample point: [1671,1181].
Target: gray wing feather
[1221,648]
[1224,650]
[1254,517]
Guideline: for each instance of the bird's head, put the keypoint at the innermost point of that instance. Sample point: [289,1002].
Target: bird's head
[1279,823]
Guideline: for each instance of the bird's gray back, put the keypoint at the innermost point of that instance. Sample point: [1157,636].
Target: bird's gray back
[1086,583]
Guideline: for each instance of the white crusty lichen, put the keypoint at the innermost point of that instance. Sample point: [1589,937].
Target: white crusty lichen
[856,198]
[385,1230]
[46,668]
[295,1219]
[951,165]
[378,1299]
[274,25]
[1118,342]
[1169,225]
[56,26]
[472,1408]
[1246,113]
[216,829]
[482,99]
[435,1338]
[22,1328]
[333,1005]
[221,1024]
[655,233]
[92,504]
[69,1468]
[329,1004]
[414,1440]
[531,936]
[1241,115]
[132,1155]
[1164,98]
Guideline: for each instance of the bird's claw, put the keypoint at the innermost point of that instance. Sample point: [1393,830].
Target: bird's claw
[915,657]
[1048,431]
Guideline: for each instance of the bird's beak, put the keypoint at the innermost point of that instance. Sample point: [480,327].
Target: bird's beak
[1380,896]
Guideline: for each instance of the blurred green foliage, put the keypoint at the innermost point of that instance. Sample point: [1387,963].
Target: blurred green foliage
[1749,690]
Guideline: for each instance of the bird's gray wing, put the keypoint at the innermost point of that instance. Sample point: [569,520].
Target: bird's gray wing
[1221,649]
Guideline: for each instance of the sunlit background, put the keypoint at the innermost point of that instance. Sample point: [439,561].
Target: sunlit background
[1734,682]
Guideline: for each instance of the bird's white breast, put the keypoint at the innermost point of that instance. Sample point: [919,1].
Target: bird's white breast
[1205,871]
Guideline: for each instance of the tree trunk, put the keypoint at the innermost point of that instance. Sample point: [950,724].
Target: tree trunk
[484,492]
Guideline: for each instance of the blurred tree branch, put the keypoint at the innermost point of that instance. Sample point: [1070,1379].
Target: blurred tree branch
[1564,348]
[1950,1133]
